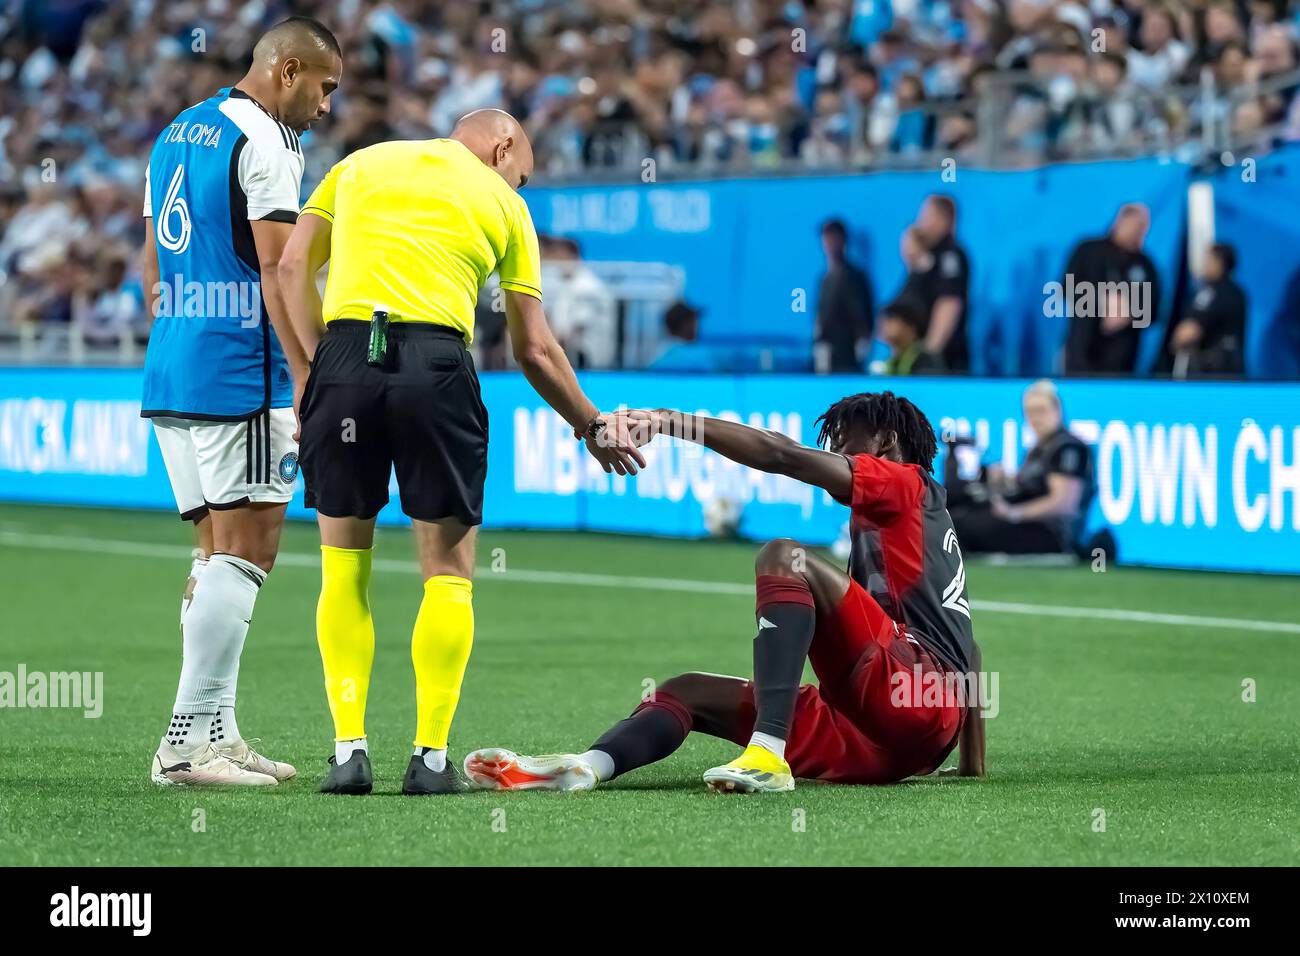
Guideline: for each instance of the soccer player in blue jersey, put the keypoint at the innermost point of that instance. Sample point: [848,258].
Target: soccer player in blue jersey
[224,369]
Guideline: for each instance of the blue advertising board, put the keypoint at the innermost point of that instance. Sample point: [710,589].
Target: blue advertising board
[1189,475]
[752,256]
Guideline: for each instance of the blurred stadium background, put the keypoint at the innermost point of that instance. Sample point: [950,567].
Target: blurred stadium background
[734,202]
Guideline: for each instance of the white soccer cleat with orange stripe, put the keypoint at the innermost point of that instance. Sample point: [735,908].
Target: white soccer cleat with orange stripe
[498,769]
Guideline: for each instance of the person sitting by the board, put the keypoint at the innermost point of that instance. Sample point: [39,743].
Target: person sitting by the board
[1041,508]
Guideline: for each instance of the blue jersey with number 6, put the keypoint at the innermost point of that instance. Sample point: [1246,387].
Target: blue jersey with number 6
[220,166]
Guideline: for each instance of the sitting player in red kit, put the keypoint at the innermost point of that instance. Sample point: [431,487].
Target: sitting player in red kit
[899,616]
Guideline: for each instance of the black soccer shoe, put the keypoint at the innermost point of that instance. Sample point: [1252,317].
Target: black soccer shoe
[420,781]
[353,777]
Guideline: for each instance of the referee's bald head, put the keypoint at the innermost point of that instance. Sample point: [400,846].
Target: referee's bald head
[296,65]
[498,139]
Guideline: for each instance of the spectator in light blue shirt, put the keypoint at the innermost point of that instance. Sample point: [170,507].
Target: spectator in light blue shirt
[915,129]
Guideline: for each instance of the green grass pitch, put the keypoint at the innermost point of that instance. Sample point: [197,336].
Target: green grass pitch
[1142,721]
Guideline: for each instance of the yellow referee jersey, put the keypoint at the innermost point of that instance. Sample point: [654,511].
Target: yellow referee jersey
[418,226]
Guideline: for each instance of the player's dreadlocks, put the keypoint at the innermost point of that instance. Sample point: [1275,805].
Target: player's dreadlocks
[875,412]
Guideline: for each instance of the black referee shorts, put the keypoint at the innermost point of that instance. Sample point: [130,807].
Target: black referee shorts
[421,414]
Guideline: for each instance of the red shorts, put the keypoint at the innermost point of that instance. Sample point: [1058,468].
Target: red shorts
[865,724]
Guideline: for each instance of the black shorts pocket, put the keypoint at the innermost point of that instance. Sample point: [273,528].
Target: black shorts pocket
[444,355]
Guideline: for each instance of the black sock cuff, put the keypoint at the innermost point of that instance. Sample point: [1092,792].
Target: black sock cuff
[672,705]
[775,589]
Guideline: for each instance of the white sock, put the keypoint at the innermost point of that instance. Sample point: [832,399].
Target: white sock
[214,630]
[435,760]
[229,729]
[343,749]
[599,761]
[769,743]
[188,729]
[196,570]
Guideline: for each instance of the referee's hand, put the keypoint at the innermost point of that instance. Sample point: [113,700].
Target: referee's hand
[615,448]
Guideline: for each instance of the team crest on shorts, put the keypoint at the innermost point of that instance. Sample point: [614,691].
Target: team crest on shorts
[289,467]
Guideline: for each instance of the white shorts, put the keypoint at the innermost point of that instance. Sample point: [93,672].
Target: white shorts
[224,465]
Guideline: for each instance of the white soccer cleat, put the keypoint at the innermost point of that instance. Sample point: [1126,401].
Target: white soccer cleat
[497,769]
[243,754]
[203,767]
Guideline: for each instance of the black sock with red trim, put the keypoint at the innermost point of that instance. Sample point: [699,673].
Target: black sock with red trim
[786,622]
[653,731]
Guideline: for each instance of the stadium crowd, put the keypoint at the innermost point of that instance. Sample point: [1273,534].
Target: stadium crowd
[86,85]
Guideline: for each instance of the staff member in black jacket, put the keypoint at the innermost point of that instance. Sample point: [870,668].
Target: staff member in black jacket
[1211,339]
[939,282]
[1103,338]
[844,303]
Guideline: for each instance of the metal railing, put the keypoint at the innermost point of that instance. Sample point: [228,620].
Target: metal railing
[1019,120]
[1193,123]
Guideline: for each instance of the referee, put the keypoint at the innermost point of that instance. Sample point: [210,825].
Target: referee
[412,229]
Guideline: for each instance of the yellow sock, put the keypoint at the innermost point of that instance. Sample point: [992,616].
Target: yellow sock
[440,644]
[346,635]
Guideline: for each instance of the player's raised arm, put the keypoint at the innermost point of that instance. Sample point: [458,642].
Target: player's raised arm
[753,447]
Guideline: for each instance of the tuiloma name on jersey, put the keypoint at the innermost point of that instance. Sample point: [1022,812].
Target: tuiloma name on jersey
[196,134]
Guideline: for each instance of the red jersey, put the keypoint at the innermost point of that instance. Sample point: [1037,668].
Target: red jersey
[905,555]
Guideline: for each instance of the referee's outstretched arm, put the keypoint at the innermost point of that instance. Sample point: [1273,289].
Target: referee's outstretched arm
[547,369]
[536,351]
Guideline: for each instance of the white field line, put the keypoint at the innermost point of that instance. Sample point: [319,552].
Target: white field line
[140,549]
